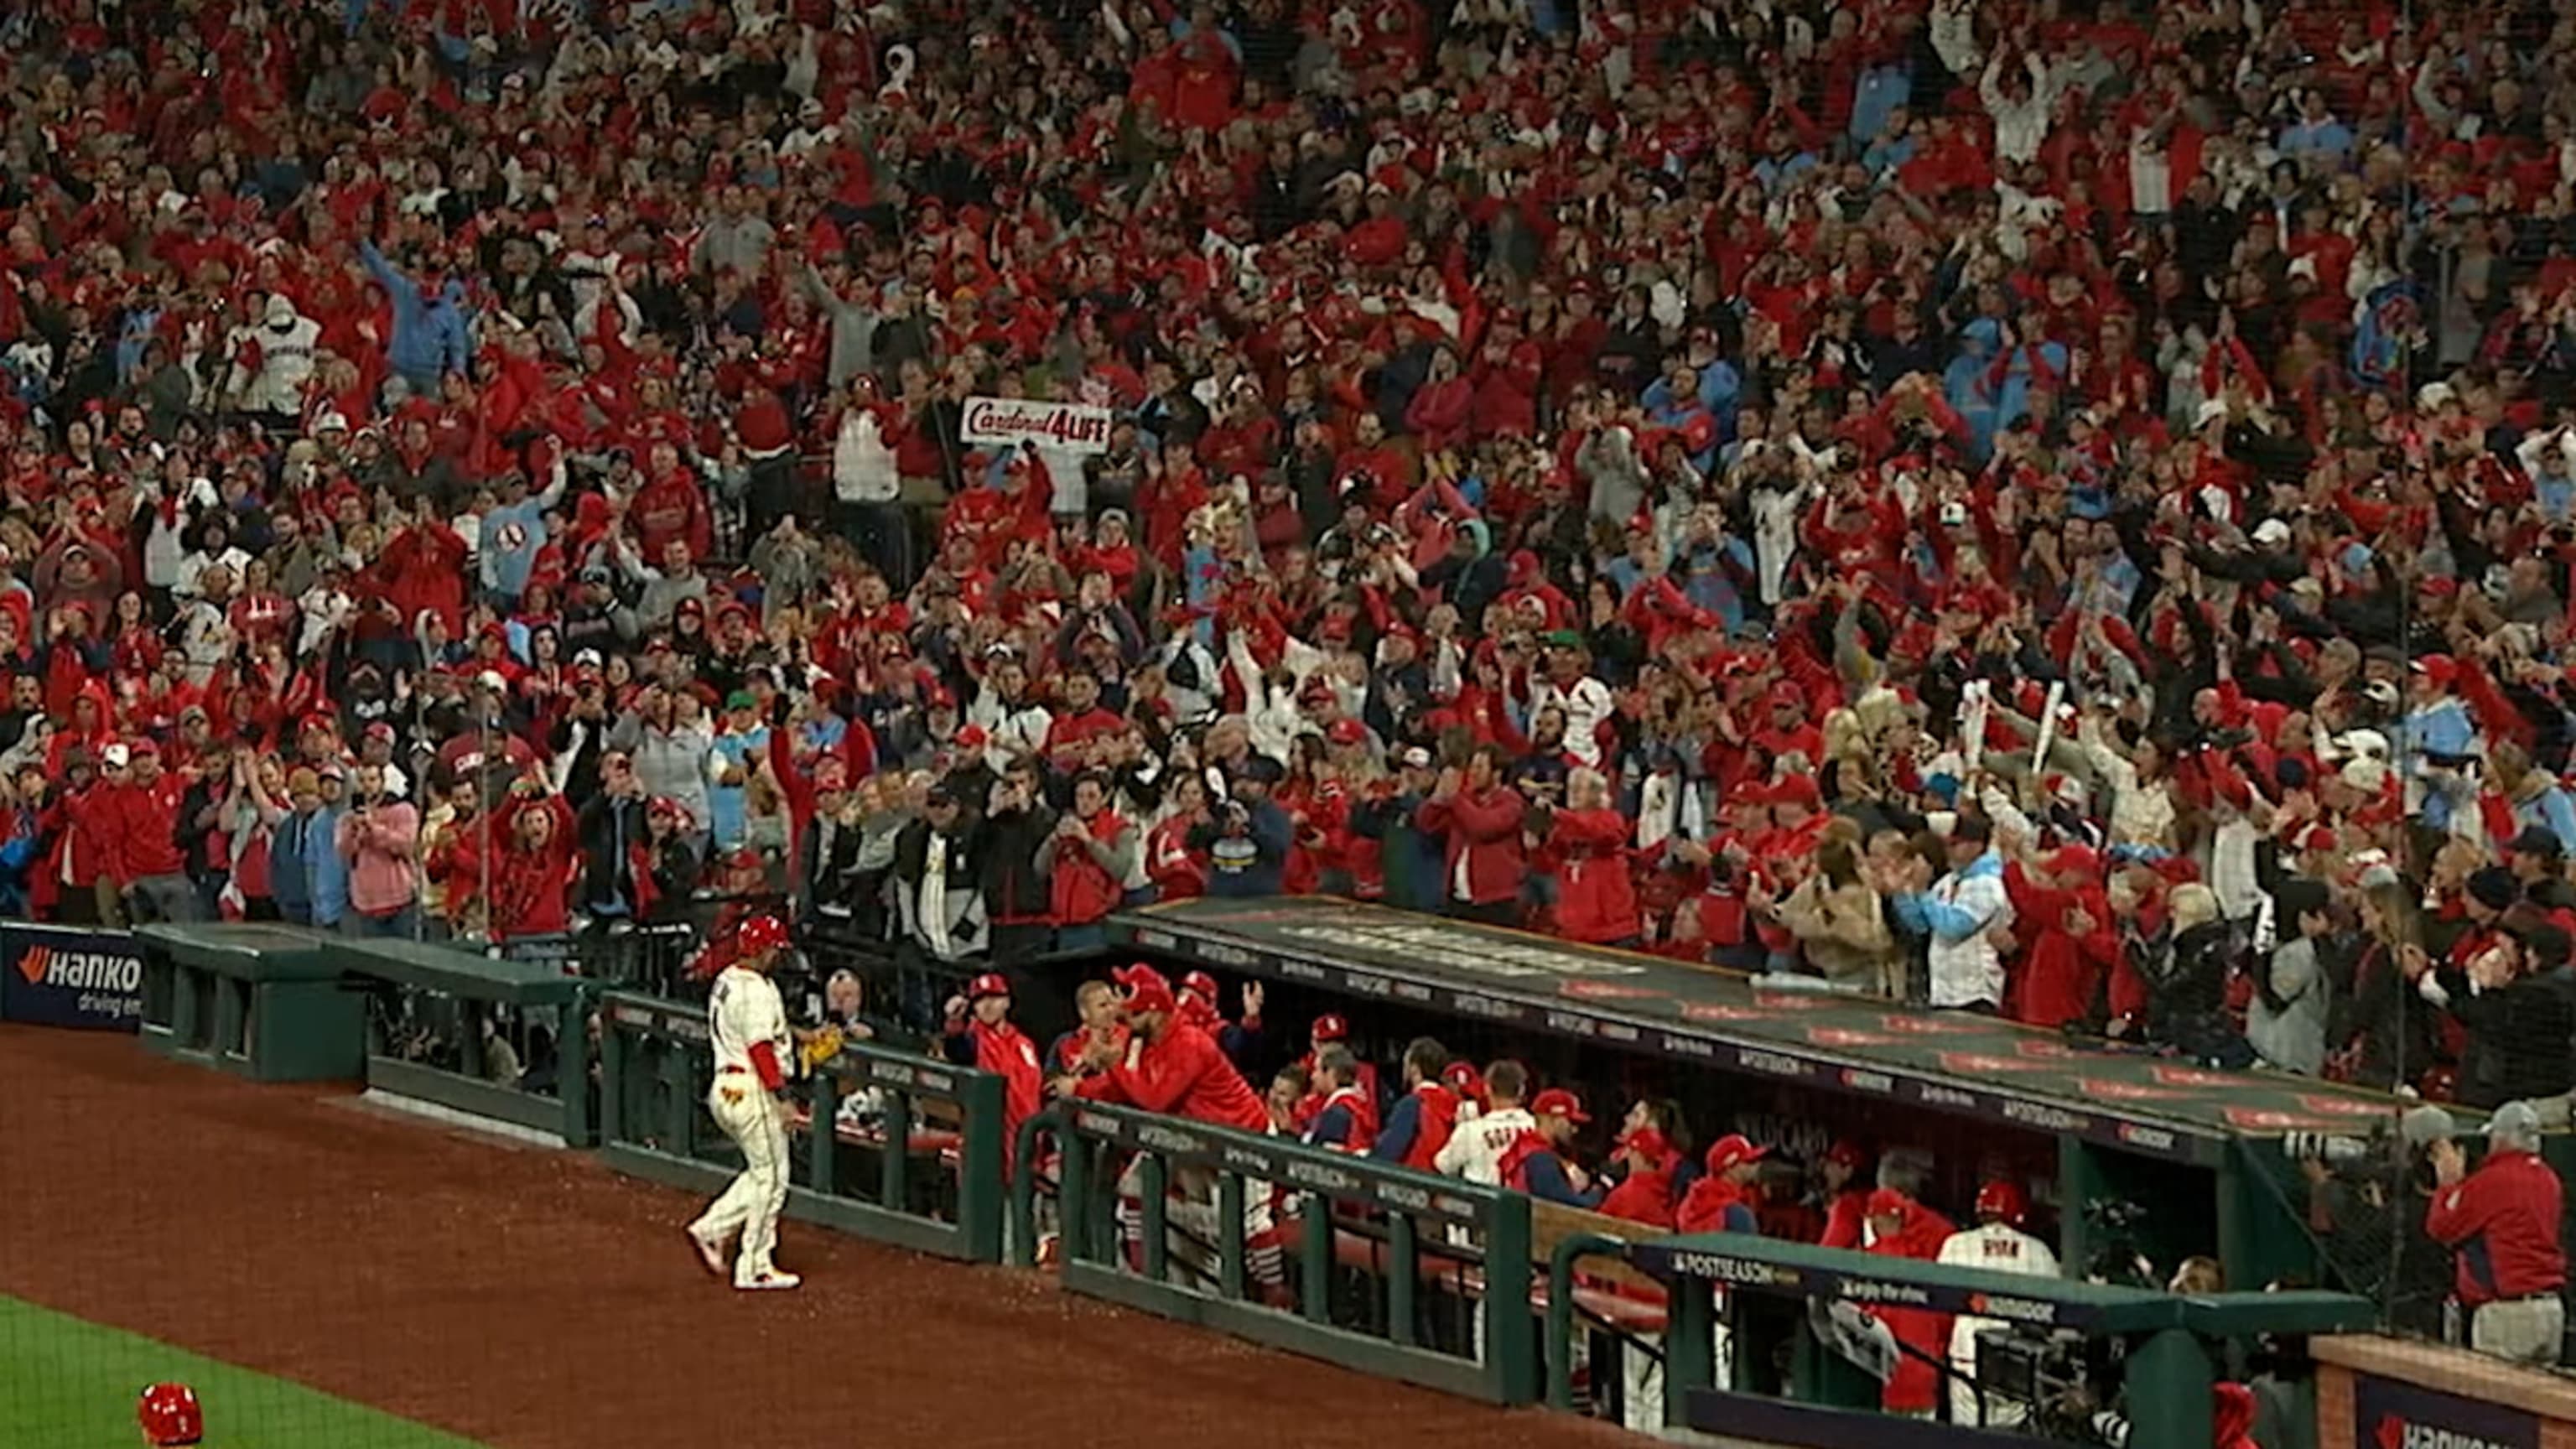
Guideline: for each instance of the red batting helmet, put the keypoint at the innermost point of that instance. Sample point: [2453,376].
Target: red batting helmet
[2001,1199]
[169,1415]
[761,933]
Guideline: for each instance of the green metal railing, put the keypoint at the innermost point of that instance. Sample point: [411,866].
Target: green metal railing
[494,1038]
[1560,1307]
[918,1163]
[1370,1252]
[2166,1368]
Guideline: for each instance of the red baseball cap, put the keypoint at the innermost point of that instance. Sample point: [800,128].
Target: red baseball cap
[1887,1202]
[1465,1080]
[760,933]
[1331,1027]
[1734,1150]
[1146,988]
[1558,1102]
[1647,1140]
[1200,982]
[991,983]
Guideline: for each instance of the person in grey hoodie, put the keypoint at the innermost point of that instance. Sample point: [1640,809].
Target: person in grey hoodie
[1607,459]
[2285,1023]
[671,744]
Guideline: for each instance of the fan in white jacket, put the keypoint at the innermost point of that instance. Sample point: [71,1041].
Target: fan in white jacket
[863,463]
[273,360]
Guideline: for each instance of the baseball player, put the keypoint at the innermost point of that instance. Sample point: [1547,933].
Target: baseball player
[170,1415]
[1998,1245]
[748,1027]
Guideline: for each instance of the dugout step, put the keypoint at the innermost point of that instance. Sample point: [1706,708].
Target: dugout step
[261,1001]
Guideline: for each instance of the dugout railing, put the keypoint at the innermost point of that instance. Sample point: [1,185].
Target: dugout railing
[2168,1347]
[1379,1268]
[900,1148]
[494,1038]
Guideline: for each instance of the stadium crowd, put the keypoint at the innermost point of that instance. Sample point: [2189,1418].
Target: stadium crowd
[2052,510]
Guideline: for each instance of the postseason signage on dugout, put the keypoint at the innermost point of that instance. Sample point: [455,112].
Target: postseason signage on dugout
[2390,1414]
[52,976]
[1626,1001]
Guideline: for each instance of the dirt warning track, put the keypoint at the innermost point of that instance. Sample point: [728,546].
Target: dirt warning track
[533,1300]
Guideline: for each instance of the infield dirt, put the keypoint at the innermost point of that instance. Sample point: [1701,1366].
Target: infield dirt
[533,1300]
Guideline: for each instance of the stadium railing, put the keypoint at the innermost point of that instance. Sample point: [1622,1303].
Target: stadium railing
[488,1036]
[262,1001]
[899,1148]
[1382,1269]
[2159,1392]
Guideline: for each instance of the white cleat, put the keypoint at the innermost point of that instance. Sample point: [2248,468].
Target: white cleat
[710,1253]
[772,1279]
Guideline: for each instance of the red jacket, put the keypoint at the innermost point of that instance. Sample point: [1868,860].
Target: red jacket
[669,507]
[2062,972]
[1596,902]
[2503,1219]
[140,826]
[1184,1074]
[1361,1108]
[1643,1197]
[1436,1109]
[1916,1385]
[1079,889]
[1178,873]
[1484,828]
[1007,1052]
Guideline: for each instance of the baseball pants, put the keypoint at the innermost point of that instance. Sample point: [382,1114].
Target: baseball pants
[752,1202]
[2525,1330]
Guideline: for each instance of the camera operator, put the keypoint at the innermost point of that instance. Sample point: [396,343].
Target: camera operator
[2503,1219]
[2362,1192]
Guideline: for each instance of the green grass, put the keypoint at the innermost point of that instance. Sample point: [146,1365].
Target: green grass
[70,1384]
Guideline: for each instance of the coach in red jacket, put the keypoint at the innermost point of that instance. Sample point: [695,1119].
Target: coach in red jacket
[1480,819]
[139,818]
[980,1033]
[2503,1221]
[1169,1065]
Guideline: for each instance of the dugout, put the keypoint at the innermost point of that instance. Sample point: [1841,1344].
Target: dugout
[2201,1153]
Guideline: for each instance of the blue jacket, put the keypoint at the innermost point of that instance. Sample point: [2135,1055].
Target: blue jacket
[432,334]
[305,868]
